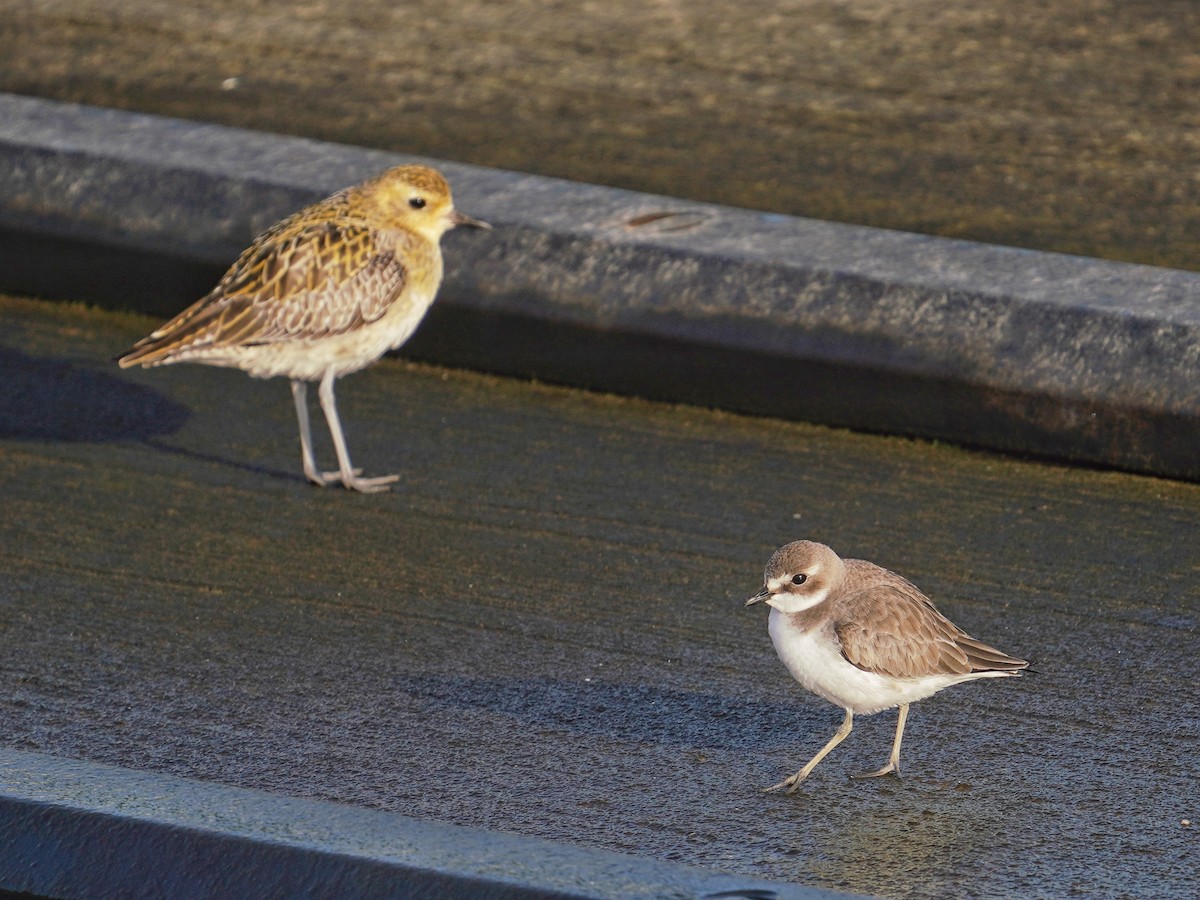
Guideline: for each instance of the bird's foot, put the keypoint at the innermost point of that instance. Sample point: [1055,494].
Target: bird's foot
[352,481]
[890,769]
[325,479]
[367,485]
[788,785]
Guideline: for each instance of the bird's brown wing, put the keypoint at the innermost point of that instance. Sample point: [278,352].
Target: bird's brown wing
[303,279]
[892,628]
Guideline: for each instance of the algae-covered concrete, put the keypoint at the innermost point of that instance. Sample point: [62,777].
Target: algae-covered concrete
[1058,124]
[541,629]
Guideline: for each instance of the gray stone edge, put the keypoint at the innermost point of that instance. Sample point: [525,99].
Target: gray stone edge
[81,829]
[1014,349]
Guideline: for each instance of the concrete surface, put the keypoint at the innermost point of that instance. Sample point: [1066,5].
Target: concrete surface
[541,630]
[1038,353]
[1067,125]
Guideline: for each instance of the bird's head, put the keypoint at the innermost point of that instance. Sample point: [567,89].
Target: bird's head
[416,198]
[799,575]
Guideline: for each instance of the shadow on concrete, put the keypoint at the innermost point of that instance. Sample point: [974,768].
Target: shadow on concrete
[860,396]
[49,399]
[636,713]
[240,465]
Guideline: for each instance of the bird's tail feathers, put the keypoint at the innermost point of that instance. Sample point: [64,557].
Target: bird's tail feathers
[168,343]
[985,658]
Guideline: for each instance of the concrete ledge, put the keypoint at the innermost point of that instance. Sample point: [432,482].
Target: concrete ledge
[1060,356]
[78,829]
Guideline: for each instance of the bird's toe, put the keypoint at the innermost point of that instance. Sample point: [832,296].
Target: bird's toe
[369,485]
[889,769]
[788,785]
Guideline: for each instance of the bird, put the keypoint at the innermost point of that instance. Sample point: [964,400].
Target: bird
[322,293]
[866,639]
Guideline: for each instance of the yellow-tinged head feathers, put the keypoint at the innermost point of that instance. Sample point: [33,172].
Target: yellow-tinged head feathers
[416,198]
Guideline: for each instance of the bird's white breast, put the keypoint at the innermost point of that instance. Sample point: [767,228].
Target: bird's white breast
[814,659]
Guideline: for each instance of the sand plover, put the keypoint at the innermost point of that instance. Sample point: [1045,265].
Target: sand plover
[866,639]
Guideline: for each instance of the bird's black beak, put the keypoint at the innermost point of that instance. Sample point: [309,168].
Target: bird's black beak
[762,595]
[461,220]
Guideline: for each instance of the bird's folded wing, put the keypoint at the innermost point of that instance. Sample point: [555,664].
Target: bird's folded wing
[896,631]
[300,280]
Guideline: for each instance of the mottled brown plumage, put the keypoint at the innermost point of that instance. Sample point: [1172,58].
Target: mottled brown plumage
[322,293]
[865,638]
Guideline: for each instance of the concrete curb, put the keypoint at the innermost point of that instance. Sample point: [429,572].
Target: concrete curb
[1052,355]
[78,829]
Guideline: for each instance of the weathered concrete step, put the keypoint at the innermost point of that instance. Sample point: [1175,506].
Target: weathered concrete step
[1022,351]
[81,829]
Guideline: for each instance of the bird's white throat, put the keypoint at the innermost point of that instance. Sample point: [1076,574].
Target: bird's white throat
[787,602]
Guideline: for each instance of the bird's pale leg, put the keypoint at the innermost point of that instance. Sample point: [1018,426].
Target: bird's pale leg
[893,763]
[347,474]
[790,784]
[300,395]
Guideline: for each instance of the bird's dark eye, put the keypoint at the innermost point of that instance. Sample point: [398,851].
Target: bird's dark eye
[799,579]
[417,202]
